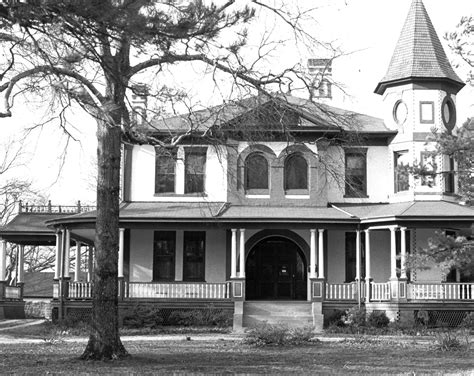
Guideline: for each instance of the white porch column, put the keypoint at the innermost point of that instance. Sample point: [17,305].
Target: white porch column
[90,262]
[393,254]
[242,253]
[233,254]
[57,262]
[77,265]
[67,253]
[3,259]
[312,254]
[367,265]
[21,264]
[358,255]
[403,252]
[121,252]
[320,253]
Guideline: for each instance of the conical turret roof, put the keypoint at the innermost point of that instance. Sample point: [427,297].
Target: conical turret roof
[419,54]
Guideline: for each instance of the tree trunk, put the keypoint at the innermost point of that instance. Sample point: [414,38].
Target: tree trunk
[104,341]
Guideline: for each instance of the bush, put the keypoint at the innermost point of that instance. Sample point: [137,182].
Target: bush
[335,318]
[200,317]
[377,319]
[278,335]
[468,321]
[143,316]
[452,341]
[355,317]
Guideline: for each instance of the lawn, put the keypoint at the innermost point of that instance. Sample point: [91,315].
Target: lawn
[360,356]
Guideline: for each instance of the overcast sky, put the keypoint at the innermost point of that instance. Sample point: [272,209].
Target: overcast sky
[367,30]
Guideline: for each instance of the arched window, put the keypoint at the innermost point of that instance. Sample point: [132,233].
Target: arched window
[256,172]
[296,172]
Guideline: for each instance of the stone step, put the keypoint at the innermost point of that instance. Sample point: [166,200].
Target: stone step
[283,308]
[295,322]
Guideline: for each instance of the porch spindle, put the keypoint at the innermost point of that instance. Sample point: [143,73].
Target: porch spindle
[77,270]
[121,252]
[403,252]
[393,254]
[368,272]
[3,259]
[320,253]
[242,253]
[312,256]
[233,254]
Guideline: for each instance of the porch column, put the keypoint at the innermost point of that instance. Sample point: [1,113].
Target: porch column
[320,254]
[57,262]
[233,254]
[393,254]
[90,261]
[312,255]
[3,259]
[403,252]
[242,253]
[358,255]
[77,269]
[67,251]
[368,278]
[121,252]
[21,264]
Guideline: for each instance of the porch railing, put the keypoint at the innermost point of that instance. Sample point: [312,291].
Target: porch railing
[344,291]
[380,291]
[441,291]
[178,290]
[12,292]
[80,290]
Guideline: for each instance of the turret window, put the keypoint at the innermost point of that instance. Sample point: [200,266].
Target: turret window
[402,172]
[427,112]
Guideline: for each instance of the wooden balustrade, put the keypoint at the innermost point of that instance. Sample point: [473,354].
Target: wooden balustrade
[441,291]
[344,291]
[178,290]
[80,290]
[12,292]
[380,291]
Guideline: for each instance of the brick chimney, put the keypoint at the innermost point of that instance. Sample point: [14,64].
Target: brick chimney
[320,71]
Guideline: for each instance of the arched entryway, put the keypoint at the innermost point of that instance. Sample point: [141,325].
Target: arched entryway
[276,269]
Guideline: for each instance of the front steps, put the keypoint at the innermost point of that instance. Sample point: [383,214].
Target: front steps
[289,313]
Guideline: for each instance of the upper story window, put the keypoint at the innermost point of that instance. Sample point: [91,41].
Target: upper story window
[427,112]
[401,171]
[194,170]
[428,165]
[165,162]
[449,181]
[296,173]
[256,172]
[356,172]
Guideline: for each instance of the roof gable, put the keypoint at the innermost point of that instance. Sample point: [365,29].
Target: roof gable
[419,53]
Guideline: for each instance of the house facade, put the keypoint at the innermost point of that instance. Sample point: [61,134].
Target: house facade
[299,209]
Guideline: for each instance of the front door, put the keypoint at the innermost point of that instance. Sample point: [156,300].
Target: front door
[276,270]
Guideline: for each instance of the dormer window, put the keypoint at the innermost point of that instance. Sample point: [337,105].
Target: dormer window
[296,174]
[194,170]
[256,173]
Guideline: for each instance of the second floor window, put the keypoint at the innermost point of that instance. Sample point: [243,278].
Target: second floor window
[428,165]
[296,172]
[256,172]
[165,162]
[402,172]
[356,173]
[195,170]
[449,182]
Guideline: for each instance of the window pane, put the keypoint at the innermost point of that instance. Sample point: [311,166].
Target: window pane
[427,112]
[356,176]
[428,165]
[193,255]
[401,159]
[164,248]
[195,167]
[164,173]
[256,172]
[296,172]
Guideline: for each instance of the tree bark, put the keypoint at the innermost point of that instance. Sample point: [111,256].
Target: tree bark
[104,341]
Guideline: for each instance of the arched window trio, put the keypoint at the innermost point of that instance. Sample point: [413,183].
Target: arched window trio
[257,173]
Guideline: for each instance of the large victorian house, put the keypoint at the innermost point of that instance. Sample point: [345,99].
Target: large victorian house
[284,225]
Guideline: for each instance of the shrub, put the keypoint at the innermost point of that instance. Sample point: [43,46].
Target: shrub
[378,319]
[451,341]
[468,321]
[200,317]
[355,317]
[335,318]
[278,335]
[143,316]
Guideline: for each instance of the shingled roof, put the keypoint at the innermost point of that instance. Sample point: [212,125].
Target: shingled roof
[419,53]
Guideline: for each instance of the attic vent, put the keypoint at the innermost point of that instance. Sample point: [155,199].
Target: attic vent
[320,71]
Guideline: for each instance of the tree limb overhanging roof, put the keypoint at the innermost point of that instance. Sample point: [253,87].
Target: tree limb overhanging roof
[419,53]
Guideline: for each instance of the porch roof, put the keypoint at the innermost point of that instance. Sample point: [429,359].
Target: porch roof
[412,210]
[29,229]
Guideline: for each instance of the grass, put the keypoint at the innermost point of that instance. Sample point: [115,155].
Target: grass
[211,357]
